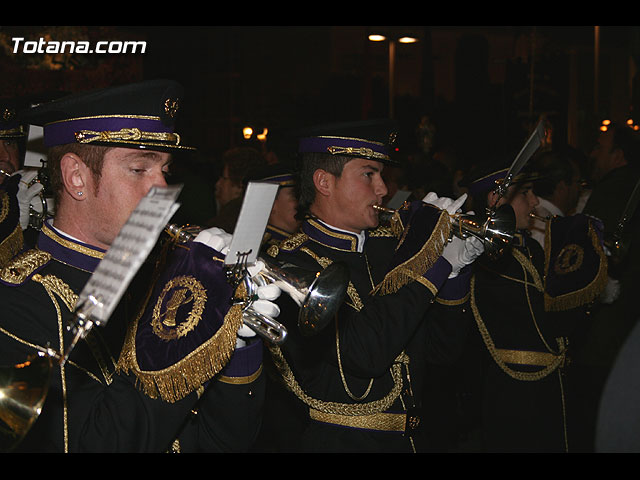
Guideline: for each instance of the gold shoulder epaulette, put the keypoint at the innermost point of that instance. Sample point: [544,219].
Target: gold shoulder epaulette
[294,242]
[21,267]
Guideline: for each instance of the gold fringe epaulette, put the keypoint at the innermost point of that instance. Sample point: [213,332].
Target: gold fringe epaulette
[11,246]
[21,267]
[191,372]
[584,295]
[415,267]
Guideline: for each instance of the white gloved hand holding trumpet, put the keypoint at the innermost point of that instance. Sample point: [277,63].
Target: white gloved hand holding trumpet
[458,252]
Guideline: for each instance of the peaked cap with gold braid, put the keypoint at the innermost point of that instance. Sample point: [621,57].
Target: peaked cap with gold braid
[137,115]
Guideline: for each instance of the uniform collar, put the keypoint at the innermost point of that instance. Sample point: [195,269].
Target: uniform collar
[550,207]
[69,250]
[276,233]
[333,237]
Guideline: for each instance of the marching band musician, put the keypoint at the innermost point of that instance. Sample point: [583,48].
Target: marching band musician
[164,373]
[16,187]
[359,379]
[526,304]
[283,220]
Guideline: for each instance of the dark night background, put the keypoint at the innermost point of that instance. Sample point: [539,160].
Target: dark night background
[482,88]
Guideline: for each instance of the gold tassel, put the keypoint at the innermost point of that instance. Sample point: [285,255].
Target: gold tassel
[187,375]
[415,267]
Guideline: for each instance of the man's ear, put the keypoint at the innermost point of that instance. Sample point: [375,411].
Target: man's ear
[323,181]
[74,175]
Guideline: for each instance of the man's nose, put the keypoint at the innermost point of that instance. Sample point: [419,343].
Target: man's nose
[381,188]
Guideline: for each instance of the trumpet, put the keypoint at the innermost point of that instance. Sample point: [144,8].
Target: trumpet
[496,230]
[539,217]
[318,294]
[36,218]
[23,390]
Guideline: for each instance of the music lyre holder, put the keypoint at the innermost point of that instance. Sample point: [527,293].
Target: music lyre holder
[81,324]
[239,272]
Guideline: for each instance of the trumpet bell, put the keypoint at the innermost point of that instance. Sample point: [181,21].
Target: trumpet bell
[497,231]
[23,389]
[326,294]
[319,294]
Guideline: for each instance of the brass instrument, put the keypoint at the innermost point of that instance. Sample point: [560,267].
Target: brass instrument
[318,294]
[496,230]
[23,389]
[36,218]
[539,217]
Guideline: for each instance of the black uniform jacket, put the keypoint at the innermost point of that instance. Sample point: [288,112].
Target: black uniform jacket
[91,405]
[527,306]
[360,378]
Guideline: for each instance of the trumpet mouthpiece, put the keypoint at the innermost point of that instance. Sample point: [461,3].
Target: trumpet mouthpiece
[382,209]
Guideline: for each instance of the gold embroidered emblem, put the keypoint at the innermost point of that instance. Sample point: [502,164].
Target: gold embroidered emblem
[168,321]
[171,107]
[569,259]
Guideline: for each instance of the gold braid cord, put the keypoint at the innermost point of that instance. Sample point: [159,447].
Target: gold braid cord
[586,294]
[356,409]
[493,351]
[23,265]
[187,375]
[414,268]
[11,245]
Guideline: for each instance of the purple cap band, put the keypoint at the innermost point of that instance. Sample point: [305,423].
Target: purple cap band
[325,144]
[61,133]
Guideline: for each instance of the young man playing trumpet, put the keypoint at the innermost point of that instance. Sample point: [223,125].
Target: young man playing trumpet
[528,304]
[360,379]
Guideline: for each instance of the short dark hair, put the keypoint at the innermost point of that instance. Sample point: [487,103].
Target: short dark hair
[240,161]
[91,155]
[553,167]
[305,188]
[627,140]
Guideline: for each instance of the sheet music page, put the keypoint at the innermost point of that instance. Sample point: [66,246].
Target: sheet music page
[252,221]
[398,199]
[129,250]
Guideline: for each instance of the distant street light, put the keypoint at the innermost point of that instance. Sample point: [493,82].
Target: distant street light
[392,62]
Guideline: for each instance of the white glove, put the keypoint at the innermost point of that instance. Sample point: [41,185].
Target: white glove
[444,203]
[460,253]
[215,238]
[266,292]
[611,291]
[26,194]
